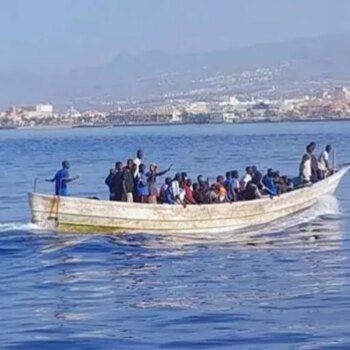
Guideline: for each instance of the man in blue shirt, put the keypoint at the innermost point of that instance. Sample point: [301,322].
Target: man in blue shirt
[61,179]
[269,182]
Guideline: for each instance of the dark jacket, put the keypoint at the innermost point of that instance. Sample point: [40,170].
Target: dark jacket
[128,180]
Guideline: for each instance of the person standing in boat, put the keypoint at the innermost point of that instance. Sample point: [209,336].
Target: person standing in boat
[110,180]
[314,162]
[138,161]
[117,183]
[61,179]
[305,170]
[128,182]
[324,168]
[152,175]
[142,185]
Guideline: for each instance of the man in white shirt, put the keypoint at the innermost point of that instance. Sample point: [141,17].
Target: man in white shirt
[246,178]
[305,168]
[324,164]
[138,161]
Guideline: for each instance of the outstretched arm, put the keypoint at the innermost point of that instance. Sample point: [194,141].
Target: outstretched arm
[70,179]
[52,180]
[161,173]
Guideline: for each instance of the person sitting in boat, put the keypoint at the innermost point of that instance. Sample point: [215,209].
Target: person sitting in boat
[257,178]
[142,185]
[284,184]
[173,193]
[61,179]
[152,175]
[212,195]
[128,182]
[269,182]
[252,192]
[236,183]
[324,168]
[246,178]
[221,190]
[305,170]
[203,184]
[198,195]
[163,190]
[189,199]
[314,162]
[229,186]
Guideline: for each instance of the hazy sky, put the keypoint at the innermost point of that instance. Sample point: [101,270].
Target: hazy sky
[54,35]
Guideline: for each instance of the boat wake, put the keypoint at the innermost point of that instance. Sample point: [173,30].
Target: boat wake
[17,226]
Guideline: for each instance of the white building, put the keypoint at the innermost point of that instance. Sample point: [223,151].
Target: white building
[37,111]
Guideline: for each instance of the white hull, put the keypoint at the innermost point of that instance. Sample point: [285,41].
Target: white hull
[70,214]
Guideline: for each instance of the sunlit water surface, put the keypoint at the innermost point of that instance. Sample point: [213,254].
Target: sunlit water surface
[285,286]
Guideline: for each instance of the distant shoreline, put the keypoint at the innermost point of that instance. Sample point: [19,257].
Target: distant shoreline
[91,126]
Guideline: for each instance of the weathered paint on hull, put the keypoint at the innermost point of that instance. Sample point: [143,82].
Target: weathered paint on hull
[70,214]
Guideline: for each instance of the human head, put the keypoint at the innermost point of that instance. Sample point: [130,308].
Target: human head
[134,168]
[248,169]
[189,182]
[195,186]
[220,179]
[142,168]
[130,163]
[140,154]
[213,187]
[328,148]
[313,146]
[153,167]
[229,175]
[309,149]
[270,172]
[178,177]
[168,181]
[254,169]
[65,164]
[118,166]
[235,174]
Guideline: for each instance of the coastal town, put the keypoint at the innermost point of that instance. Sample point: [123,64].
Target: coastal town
[326,104]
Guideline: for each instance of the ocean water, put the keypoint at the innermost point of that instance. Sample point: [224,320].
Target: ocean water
[286,286]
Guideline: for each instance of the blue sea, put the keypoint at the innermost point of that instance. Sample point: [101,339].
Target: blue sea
[286,286]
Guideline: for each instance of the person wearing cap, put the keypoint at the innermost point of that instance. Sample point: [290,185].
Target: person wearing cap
[152,175]
[62,178]
[269,182]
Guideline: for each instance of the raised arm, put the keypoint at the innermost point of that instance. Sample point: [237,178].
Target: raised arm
[161,173]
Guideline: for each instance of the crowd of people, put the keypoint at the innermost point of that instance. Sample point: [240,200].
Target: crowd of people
[133,182]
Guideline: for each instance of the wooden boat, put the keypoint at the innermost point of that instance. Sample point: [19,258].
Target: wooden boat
[70,214]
